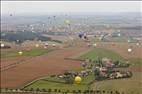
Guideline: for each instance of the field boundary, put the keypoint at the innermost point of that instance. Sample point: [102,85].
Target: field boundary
[57,91]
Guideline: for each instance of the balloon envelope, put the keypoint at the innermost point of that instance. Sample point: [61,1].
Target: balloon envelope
[37,45]
[2,45]
[20,52]
[67,21]
[53,45]
[137,44]
[78,79]
[94,44]
[129,50]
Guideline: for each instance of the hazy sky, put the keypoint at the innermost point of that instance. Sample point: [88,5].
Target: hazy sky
[43,7]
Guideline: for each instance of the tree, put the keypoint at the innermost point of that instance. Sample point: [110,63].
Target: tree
[37,89]
[55,90]
[59,91]
[6,89]
[31,89]
[97,74]
[116,63]
[44,90]
[79,91]
[69,79]
[49,90]
[74,91]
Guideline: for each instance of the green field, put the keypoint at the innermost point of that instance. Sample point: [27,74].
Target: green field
[32,52]
[56,83]
[129,85]
[101,53]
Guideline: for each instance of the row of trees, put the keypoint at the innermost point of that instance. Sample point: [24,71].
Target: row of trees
[22,36]
[58,91]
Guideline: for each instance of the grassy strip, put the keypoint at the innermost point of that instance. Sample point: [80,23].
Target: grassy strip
[101,53]
[32,52]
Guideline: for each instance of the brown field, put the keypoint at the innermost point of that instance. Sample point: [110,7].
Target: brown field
[122,48]
[6,62]
[54,63]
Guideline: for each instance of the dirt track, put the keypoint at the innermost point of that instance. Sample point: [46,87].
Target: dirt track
[52,63]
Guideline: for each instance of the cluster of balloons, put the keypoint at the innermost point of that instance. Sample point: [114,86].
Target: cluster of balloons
[82,35]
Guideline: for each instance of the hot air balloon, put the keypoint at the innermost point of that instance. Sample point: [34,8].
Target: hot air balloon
[2,45]
[54,45]
[67,22]
[85,37]
[119,34]
[20,52]
[137,44]
[78,79]
[46,44]
[37,45]
[45,47]
[129,50]
[94,44]
[80,35]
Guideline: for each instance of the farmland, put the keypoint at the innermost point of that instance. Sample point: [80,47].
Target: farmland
[40,63]
[56,83]
[33,52]
[131,84]
[100,53]
[39,67]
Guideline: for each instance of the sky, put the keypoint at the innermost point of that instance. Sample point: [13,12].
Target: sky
[43,7]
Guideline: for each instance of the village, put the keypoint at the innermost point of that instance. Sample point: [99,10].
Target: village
[102,69]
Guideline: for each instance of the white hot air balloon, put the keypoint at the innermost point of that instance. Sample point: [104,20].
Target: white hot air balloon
[54,45]
[137,44]
[119,35]
[37,45]
[46,44]
[2,45]
[45,47]
[20,52]
[129,41]
[129,50]
[67,21]
[94,44]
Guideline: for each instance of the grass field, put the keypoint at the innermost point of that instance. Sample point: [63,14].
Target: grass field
[56,83]
[101,53]
[130,85]
[32,52]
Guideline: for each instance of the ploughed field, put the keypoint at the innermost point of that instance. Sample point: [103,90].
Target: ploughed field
[39,66]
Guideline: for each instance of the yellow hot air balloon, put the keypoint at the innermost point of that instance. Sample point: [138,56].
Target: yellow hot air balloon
[20,52]
[77,79]
[67,21]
